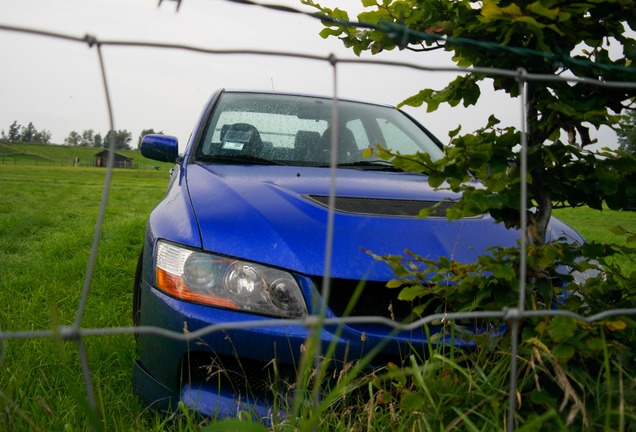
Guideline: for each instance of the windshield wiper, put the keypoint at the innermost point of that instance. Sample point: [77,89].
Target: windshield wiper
[238,159]
[378,165]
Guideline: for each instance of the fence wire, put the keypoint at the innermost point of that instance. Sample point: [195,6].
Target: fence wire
[514,316]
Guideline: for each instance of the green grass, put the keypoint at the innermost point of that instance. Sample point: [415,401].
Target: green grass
[596,225]
[47,220]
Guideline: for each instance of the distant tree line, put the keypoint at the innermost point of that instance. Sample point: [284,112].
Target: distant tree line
[28,134]
[89,138]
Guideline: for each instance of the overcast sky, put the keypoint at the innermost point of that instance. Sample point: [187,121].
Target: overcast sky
[57,84]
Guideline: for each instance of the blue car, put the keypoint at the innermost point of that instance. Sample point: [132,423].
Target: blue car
[241,236]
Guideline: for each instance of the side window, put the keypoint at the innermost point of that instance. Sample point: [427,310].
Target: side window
[356,126]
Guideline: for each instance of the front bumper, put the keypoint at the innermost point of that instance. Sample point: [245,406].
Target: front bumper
[251,369]
[205,398]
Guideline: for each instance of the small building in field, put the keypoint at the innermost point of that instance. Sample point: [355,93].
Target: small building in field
[120,161]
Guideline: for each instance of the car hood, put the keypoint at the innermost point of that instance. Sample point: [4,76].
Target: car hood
[277,216]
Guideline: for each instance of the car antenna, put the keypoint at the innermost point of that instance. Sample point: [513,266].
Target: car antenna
[273,89]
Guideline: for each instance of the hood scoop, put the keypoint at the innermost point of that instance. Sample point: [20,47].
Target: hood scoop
[383,206]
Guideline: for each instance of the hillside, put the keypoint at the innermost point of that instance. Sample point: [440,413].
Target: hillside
[51,154]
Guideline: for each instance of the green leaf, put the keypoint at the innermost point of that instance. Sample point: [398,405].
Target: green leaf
[412,401]
[491,10]
[563,351]
[564,108]
[410,293]
[340,14]
[595,344]
[629,49]
[538,9]
[503,271]
[368,152]
[454,132]
[435,181]
[492,121]
[471,93]
[555,29]
[615,325]
[463,62]
[618,230]
[326,32]
[394,283]
[417,100]
[562,328]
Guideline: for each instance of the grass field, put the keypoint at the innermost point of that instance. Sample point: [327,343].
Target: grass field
[47,219]
[62,155]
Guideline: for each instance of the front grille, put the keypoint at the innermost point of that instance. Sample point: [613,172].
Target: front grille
[383,206]
[243,377]
[376,300]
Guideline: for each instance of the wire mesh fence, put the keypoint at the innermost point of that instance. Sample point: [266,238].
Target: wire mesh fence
[76,333]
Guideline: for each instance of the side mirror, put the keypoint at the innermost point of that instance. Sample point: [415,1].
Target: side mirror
[164,148]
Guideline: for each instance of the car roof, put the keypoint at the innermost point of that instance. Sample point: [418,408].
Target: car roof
[283,93]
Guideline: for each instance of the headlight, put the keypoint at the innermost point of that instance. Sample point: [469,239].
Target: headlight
[227,283]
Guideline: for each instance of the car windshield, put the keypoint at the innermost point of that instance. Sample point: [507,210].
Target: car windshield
[297,130]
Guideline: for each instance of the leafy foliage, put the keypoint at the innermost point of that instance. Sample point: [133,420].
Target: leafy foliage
[563,359]
[627,133]
[569,365]
[489,158]
[556,273]
[545,37]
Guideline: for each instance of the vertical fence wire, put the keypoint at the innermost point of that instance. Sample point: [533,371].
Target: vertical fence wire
[333,162]
[90,394]
[325,288]
[514,316]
